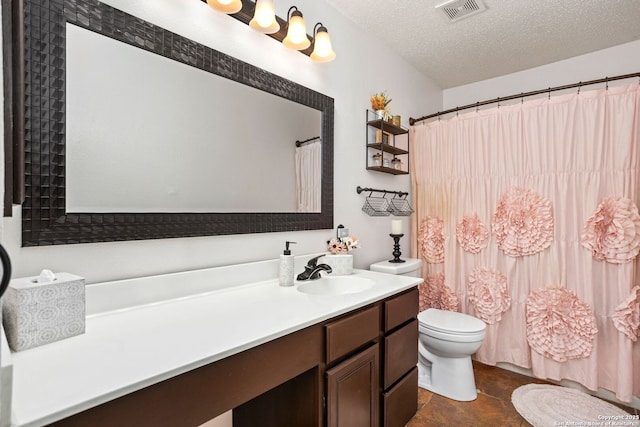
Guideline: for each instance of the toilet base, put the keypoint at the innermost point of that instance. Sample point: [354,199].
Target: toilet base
[448,377]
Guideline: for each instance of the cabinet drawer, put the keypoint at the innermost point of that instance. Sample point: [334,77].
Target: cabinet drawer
[400,403]
[400,352]
[400,309]
[346,335]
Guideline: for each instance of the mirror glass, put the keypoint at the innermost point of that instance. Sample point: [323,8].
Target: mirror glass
[175,138]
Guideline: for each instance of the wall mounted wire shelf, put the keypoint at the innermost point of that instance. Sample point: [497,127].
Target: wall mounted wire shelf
[384,206]
[376,206]
[400,207]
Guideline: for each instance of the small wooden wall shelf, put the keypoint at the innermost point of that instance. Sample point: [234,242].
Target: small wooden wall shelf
[394,146]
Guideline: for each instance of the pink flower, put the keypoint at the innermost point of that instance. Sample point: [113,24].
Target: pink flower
[559,325]
[472,234]
[523,222]
[434,293]
[335,246]
[626,317]
[431,240]
[612,233]
[488,293]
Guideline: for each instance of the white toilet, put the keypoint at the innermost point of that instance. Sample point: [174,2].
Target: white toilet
[446,342]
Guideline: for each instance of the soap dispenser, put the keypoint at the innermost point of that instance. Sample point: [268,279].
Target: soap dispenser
[286,266]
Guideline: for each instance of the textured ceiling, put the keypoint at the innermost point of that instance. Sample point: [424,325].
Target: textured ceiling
[510,36]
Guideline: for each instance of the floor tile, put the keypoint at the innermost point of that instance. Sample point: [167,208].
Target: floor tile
[484,411]
[492,408]
[423,397]
[498,382]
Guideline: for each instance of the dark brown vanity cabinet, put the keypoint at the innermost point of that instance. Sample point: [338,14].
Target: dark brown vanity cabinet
[357,369]
[377,384]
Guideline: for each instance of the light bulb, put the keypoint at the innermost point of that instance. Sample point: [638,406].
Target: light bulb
[322,50]
[226,6]
[297,33]
[264,17]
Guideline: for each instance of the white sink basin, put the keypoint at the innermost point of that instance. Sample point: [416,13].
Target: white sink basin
[336,285]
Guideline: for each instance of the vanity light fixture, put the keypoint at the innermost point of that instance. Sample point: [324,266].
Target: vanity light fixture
[226,6]
[322,50]
[264,17]
[261,16]
[297,31]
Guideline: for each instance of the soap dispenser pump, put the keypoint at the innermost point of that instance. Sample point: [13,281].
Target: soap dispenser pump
[286,266]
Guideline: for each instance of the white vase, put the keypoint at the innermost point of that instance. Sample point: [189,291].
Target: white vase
[341,264]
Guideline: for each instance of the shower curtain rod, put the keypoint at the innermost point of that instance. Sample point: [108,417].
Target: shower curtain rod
[299,143]
[606,80]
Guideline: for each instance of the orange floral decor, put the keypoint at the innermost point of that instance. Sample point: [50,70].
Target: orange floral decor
[431,240]
[612,233]
[472,234]
[626,317]
[434,293]
[380,101]
[523,222]
[559,325]
[487,290]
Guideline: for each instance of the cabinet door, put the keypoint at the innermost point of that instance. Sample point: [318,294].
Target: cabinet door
[353,398]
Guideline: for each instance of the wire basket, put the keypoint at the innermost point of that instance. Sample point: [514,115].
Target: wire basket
[400,207]
[376,206]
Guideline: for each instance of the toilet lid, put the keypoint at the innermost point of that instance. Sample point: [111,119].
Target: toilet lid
[409,265]
[450,321]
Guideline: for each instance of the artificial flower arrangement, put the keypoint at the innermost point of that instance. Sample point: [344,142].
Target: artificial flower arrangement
[342,245]
[380,102]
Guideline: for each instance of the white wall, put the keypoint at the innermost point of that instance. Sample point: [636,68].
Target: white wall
[363,66]
[617,60]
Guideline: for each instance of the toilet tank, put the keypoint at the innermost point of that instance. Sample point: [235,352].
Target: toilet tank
[411,267]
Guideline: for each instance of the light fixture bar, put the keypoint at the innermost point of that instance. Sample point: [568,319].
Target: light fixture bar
[245,15]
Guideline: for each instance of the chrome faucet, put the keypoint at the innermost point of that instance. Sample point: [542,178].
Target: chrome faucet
[312,270]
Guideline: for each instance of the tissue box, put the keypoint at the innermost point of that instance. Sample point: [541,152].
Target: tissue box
[37,313]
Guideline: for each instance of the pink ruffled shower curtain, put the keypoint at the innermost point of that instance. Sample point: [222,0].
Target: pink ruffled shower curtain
[526,217]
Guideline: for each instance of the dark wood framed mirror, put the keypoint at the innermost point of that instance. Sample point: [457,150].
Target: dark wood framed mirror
[40,113]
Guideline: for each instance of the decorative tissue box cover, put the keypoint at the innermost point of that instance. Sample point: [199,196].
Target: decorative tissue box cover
[341,264]
[40,313]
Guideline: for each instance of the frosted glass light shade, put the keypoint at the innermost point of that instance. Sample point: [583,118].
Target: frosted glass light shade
[322,50]
[297,33]
[264,17]
[226,6]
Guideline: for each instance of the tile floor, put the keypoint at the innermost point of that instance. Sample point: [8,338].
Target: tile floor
[492,408]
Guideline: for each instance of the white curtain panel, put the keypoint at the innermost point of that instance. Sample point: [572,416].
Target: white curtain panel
[571,151]
[309,177]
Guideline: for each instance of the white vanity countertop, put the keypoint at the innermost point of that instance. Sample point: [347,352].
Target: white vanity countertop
[128,349]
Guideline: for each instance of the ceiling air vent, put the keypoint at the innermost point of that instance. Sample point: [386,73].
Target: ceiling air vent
[455,10]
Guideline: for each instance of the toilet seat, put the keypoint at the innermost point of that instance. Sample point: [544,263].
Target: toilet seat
[465,337]
[450,322]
